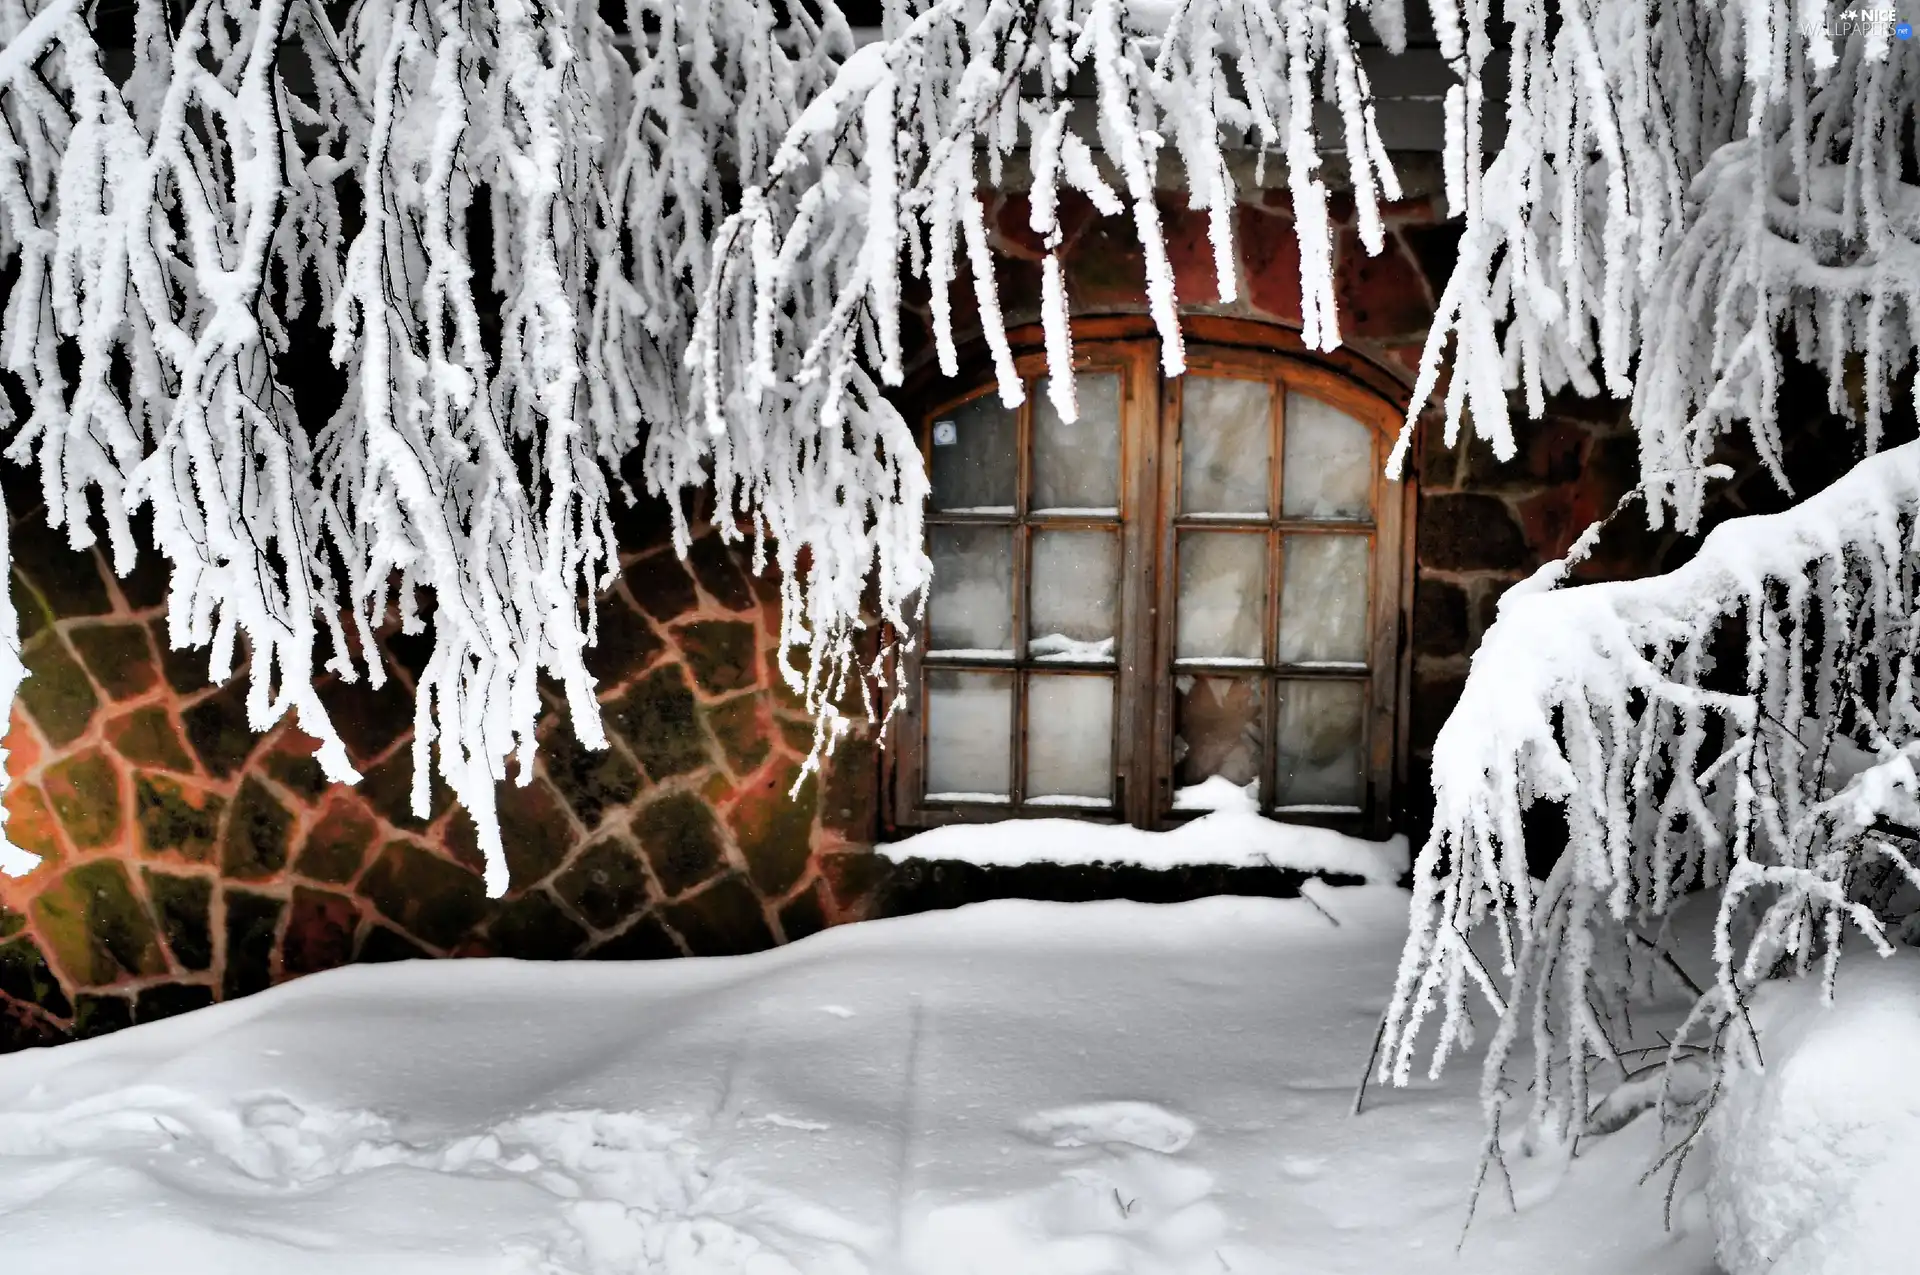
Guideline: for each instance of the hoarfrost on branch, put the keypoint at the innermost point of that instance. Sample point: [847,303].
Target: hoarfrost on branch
[698,236]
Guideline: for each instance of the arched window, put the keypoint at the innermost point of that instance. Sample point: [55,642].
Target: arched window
[1197,583]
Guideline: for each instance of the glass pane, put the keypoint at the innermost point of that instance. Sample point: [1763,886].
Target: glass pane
[1225,444]
[1077,466]
[1321,732]
[1323,599]
[1076,580]
[1223,588]
[972,604]
[1069,738]
[971,460]
[969,723]
[1329,462]
[1216,730]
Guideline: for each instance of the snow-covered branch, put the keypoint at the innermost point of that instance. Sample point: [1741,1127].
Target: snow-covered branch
[1746,723]
[1688,192]
[696,237]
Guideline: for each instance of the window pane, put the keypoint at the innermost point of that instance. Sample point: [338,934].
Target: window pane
[971,460]
[1076,581]
[1320,744]
[1225,444]
[1329,462]
[1323,599]
[972,604]
[1077,466]
[1223,588]
[969,723]
[1069,737]
[1216,729]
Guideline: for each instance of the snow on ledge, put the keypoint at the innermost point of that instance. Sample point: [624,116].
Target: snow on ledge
[1234,836]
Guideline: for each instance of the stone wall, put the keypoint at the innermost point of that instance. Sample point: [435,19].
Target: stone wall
[188,860]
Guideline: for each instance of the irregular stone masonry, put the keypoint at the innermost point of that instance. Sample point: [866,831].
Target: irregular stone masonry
[189,860]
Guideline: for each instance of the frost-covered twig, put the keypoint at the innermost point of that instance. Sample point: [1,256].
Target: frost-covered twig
[1611,701]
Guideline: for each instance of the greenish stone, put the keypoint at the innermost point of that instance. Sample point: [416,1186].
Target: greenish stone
[56,693]
[184,906]
[319,933]
[741,729]
[174,819]
[298,773]
[368,718]
[720,653]
[251,922]
[680,839]
[535,928]
[185,669]
[169,1000]
[606,884]
[721,573]
[118,657]
[428,897]
[725,919]
[661,585]
[645,940]
[218,730]
[85,793]
[388,788]
[337,845]
[383,946]
[33,613]
[590,781]
[798,735]
[534,830]
[95,927]
[624,643]
[97,1014]
[803,915]
[774,830]
[68,578]
[11,922]
[26,976]
[258,829]
[855,876]
[850,804]
[147,737]
[660,723]
[22,1027]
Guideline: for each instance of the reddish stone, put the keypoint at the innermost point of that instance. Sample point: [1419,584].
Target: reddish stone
[369,719]
[1270,263]
[681,840]
[337,844]
[1549,451]
[319,932]
[1013,220]
[426,895]
[23,749]
[803,915]
[1439,617]
[853,782]
[29,822]
[1553,519]
[1380,295]
[252,920]
[1189,239]
[218,730]
[645,940]
[535,928]
[85,792]
[624,643]
[855,877]
[606,883]
[725,919]
[183,905]
[720,653]
[740,724]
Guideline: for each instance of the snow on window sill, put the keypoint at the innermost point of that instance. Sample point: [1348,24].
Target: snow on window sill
[1070,511]
[998,511]
[1220,661]
[1059,647]
[975,798]
[1072,802]
[964,653]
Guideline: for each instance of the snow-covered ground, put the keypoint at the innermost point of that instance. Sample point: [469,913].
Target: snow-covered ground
[1010,1089]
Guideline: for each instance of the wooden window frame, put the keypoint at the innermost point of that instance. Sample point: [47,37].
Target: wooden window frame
[1143,667]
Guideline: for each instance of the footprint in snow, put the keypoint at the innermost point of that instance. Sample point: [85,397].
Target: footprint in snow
[1133,1124]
